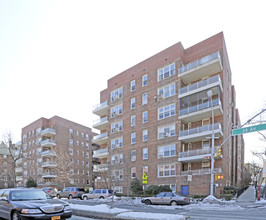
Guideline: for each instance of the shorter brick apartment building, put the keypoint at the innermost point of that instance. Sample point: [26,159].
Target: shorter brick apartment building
[56,152]
[156,118]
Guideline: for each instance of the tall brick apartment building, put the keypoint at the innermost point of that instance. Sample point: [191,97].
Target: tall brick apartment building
[56,152]
[157,118]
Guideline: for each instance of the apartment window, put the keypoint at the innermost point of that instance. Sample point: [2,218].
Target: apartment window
[77,162]
[144,117]
[77,143]
[145,80]
[166,151]
[71,161]
[133,155]
[166,111]
[145,153]
[117,110]
[87,145]
[133,138]
[117,143]
[166,91]
[117,126]
[132,85]
[117,175]
[145,135]
[206,144]
[77,152]
[144,99]
[77,133]
[71,151]
[132,103]
[166,131]
[82,162]
[117,159]
[118,189]
[133,172]
[166,72]
[87,154]
[82,153]
[38,130]
[133,120]
[145,170]
[166,170]
[82,144]
[116,94]
[71,171]
[87,137]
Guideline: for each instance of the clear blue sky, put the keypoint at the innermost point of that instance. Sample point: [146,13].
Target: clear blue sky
[56,56]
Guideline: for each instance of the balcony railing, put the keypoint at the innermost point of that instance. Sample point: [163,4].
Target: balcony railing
[48,143]
[101,138]
[199,62]
[48,174]
[48,163]
[201,172]
[199,130]
[101,153]
[202,106]
[101,109]
[48,153]
[48,131]
[193,153]
[200,84]
[19,169]
[100,123]
[100,167]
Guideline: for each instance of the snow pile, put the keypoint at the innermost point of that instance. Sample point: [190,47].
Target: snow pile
[150,216]
[212,200]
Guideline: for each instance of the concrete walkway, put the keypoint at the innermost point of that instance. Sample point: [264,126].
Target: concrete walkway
[249,196]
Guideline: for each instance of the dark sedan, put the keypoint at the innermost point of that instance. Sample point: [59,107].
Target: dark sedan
[31,204]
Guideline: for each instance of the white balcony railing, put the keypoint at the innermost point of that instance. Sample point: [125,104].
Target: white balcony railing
[199,130]
[48,153]
[49,131]
[193,153]
[201,172]
[48,142]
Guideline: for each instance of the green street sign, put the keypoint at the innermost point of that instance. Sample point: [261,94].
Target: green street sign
[249,129]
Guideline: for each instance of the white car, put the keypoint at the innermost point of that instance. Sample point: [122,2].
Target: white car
[98,194]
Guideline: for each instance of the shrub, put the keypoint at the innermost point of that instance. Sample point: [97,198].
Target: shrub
[135,186]
[31,183]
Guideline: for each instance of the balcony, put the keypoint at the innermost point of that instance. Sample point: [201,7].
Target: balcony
[48,143]
[101,123]
[100,167]
[201,111]
[19,169]
[49,175]
[194,155]
[48,132]
[48,164]
[201,68]
[101,153]
[101,138]
[200,133]
[202,85]
[19,161]
[48,153]
[201,172]
[101,109]
[19,178]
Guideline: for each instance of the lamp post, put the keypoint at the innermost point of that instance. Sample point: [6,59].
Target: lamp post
[209,93]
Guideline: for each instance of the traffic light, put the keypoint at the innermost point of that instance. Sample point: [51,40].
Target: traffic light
[218,176]
[218,152]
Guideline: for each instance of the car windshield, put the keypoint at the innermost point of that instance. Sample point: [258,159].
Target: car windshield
[22,195]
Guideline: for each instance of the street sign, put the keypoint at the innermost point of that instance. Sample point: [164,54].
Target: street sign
[249,129]
[144,178]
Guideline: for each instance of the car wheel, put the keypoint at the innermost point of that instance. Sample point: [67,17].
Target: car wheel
[58,196]
[85,198]
[147,202]
[101,197]
[173,203]
[15,216]
[70,197]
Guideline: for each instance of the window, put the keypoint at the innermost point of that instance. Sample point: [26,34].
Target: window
[166,72]
[145,153]
[116,94]
[166,131]
[117,110]
[166,111]
[77,143]
[166,91]
[133,120]
[87,137]
[117,175]
[145,170]
[166,151]
[118,189]
[87,145]
[70,142]
[133,155]
[132,86]
[77,162]
[133,172]
[166,170]
[145,135]
[77,133]
[117,143]
[206,144]
[77,152]
[87,154]
[117,126]
[133,138]
[132,103]
[145,80]
[145,117]
[117,159]
[144,99]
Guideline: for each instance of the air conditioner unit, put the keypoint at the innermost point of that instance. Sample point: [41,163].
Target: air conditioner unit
[159,96]
[166,134]
[115,129]
[114,114]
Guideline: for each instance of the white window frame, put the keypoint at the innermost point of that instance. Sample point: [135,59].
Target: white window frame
[133,174]
[163,168]
[145,98]
[133,103]
[166,91]
[167,111]
[133,85]
[144,81]
[117,143]
[166,131]
[133,138]
[116,127]
[133,155]
[144,117]
[116,94]
[133,120]
[166,72]
[145,135]
[116,110]
[162,151]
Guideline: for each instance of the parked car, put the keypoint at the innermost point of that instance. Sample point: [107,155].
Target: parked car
[166,198]
[50,191]
[98,194]
[31,204]
[71,192]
